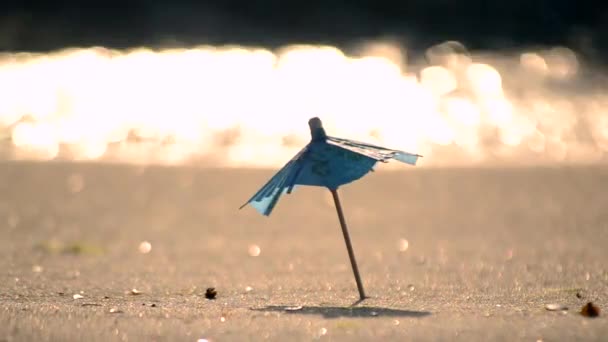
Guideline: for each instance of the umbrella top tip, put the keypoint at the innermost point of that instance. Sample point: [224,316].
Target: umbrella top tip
[316,128]
[315,122]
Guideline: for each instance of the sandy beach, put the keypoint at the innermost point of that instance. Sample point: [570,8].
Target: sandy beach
[98,252]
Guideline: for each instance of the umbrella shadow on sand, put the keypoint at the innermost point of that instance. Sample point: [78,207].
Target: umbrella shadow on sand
[347,311]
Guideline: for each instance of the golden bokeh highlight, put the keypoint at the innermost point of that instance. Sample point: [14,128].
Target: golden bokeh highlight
[248,107]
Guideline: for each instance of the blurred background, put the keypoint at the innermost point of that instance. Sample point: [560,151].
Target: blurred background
[232,83]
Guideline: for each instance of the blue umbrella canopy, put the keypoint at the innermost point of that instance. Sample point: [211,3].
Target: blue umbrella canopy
[325,161]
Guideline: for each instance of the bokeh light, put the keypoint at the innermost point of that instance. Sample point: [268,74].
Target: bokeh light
[248,107]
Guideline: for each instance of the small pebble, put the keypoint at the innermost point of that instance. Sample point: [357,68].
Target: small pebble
[294,308]
[254,250]
[555,307]
[590,310]
[211,293]
[145,247]
[403,245]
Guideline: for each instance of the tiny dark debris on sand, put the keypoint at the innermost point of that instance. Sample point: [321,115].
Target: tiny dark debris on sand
[590,310]
[90,304]
[210,293]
